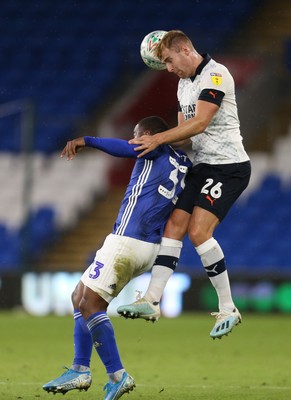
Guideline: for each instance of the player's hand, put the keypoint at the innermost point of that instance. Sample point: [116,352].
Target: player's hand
[146,143]
[73,147]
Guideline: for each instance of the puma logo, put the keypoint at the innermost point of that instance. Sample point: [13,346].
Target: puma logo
[213,270]
[210,199]
[213,94]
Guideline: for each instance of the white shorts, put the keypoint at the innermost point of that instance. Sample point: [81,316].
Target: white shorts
[119,260]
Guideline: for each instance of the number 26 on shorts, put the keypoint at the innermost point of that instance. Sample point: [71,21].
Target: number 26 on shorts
[215,191]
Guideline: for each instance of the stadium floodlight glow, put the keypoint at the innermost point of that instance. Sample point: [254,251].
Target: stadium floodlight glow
[46,293]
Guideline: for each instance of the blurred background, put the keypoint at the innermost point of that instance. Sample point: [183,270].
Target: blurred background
[73,67]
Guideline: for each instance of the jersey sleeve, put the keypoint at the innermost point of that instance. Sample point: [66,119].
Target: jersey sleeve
[112,146]
[216,78]
[212,96]
[117,147]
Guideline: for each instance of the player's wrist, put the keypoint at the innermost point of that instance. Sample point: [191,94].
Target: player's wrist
[159,139]
[89,141]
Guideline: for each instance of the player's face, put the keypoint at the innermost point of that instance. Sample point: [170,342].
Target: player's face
[139,131]
[179,62]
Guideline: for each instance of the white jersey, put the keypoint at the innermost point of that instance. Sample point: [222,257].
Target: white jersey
[221,142]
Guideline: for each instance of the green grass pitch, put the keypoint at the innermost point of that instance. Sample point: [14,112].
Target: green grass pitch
[172,359]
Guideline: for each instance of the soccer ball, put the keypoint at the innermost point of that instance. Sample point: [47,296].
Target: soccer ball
[146,50]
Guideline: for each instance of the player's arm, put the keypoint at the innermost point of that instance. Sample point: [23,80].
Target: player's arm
[185,142]
[203,115]
[112,146]
[181,118]
[73,147]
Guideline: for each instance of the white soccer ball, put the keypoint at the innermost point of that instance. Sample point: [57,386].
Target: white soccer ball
[146,50]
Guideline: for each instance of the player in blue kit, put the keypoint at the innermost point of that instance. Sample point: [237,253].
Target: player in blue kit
[156,182]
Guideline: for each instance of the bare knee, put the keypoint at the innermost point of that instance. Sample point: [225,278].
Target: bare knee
[202,226]
[177,225]
[84,307]
[91,302]
[77,295]
[198,236]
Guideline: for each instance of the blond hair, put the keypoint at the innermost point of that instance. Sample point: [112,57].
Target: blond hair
[172,39]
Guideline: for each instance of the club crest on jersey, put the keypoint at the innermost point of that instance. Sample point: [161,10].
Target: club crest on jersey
[216,78]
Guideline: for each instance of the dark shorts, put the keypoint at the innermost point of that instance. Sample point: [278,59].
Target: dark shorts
[214,187]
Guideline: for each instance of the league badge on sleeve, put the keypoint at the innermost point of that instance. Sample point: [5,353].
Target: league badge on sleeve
[216,78]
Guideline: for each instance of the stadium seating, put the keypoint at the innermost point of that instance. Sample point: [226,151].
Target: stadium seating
[255,234]
[71,55]
[66,57]
[60,191]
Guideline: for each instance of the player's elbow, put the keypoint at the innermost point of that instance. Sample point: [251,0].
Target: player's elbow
[201,125]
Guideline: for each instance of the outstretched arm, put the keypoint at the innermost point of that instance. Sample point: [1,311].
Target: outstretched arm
[112,146]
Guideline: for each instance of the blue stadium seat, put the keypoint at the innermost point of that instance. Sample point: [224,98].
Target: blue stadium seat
[65,39]
[40,229]
[74,53]
[10,250]
[251,235]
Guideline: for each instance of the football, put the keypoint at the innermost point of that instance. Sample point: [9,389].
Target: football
[147,46]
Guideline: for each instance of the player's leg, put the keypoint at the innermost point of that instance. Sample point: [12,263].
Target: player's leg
[201,228]
[174,232]
[148,306]
[93,308]
[219,188]
[200,232]
[82,337]
[78,376]
[115,264]
[169,254]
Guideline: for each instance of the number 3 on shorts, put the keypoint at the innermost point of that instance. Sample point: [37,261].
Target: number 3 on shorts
[97,268]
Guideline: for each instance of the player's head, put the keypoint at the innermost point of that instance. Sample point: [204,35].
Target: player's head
[172,40]
[177,51]
[150,126]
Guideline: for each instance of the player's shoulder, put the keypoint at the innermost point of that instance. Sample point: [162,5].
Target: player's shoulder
[216,74]
[166,151]
[215,67]
[180,155]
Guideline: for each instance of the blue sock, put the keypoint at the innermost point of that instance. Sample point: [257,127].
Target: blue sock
[104,342]
[82,341]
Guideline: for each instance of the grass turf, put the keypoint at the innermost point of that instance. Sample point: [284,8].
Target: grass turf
[172,359]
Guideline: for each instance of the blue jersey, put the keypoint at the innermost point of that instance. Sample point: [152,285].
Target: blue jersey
[155,184]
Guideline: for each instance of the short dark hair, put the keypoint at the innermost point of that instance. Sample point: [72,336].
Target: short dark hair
[153,124]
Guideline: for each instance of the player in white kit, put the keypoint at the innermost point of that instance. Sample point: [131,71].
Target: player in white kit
[156,182]
[207,115]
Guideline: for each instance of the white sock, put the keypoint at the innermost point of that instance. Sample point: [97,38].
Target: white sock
[170,251]
[116,376]
[159,278]
[222,287]
[212,258]
[80,368]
